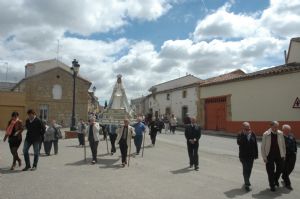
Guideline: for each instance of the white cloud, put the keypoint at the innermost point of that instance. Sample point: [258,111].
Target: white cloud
[221,42]
[82,17]
[282,18]
[226,24]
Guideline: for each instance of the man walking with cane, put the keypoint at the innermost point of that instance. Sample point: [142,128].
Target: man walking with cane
[124,135]
[192,135]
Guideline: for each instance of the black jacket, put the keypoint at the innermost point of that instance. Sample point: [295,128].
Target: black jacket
[154,126]
[247,148]
[192,132]
[35,130]
[291,144]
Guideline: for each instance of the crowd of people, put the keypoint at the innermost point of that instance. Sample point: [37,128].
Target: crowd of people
[278,148]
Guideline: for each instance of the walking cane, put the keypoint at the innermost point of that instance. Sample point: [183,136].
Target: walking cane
[107,143]
[143,143]
[129,150]
[84,147]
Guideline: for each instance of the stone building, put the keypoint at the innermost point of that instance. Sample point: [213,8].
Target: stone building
[48,89]
[93,103]
[178,97]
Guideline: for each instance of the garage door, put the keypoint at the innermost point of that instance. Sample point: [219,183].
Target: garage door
[215,113]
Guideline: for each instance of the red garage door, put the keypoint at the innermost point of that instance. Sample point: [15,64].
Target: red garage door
[215,113]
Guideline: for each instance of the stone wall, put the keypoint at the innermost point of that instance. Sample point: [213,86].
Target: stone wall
[9,102]
[39,91]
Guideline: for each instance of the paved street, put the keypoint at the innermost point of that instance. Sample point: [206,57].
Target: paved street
[162,173]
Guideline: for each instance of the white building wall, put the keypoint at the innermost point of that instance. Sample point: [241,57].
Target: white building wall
[261,99]
[294,53]
[176,102]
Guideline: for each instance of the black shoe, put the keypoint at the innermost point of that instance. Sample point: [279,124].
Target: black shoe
[273,189]
[33,168]
[196,168]
[289,187]
[247,188]
[191,166]
[26,168]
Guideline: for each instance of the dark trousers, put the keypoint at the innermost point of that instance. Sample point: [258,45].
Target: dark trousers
[14,152]
[153,137]
[138,140]
[47,147]
[274,169]
[40,144]
[55,146]
[247,169]
[172,129]
[94,149]
[14,144]
[113,138]
[36,148]
[123,149]
[289,165]
[81,138]
[193,153]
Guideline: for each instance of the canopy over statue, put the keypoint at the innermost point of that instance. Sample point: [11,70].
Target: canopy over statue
[118,98]
[118,107]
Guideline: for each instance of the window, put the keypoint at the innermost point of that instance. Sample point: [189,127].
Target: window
[56,92]
[168,96]
[184,93]
[184,111]
[44,112]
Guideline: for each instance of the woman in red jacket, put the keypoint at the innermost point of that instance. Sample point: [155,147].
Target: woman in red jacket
[14,134]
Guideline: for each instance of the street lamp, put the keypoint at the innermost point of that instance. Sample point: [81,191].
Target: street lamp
[75,69]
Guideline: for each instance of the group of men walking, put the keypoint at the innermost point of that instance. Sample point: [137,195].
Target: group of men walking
[278,150]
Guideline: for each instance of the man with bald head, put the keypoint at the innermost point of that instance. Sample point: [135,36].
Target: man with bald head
[192,135]
[248,151]
[291,153]
[273,152]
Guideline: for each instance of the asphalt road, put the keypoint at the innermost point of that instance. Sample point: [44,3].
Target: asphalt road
[162,173]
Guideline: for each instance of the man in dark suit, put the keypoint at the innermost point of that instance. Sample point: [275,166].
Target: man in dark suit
[291,154]
[192,135]
[35,131]
[248,151]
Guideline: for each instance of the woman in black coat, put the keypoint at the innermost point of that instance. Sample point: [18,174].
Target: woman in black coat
[248,151]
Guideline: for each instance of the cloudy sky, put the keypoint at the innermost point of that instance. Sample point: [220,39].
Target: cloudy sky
[147,41]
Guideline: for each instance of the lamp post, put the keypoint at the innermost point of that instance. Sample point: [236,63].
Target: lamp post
[75,69]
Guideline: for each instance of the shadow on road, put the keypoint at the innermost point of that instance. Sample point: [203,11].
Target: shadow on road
[80,162]
[8,171]
[268,194]
[235,192]
[182,171]
[108,164]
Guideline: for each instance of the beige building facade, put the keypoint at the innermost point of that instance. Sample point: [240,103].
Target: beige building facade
[49,92]
[258,98]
